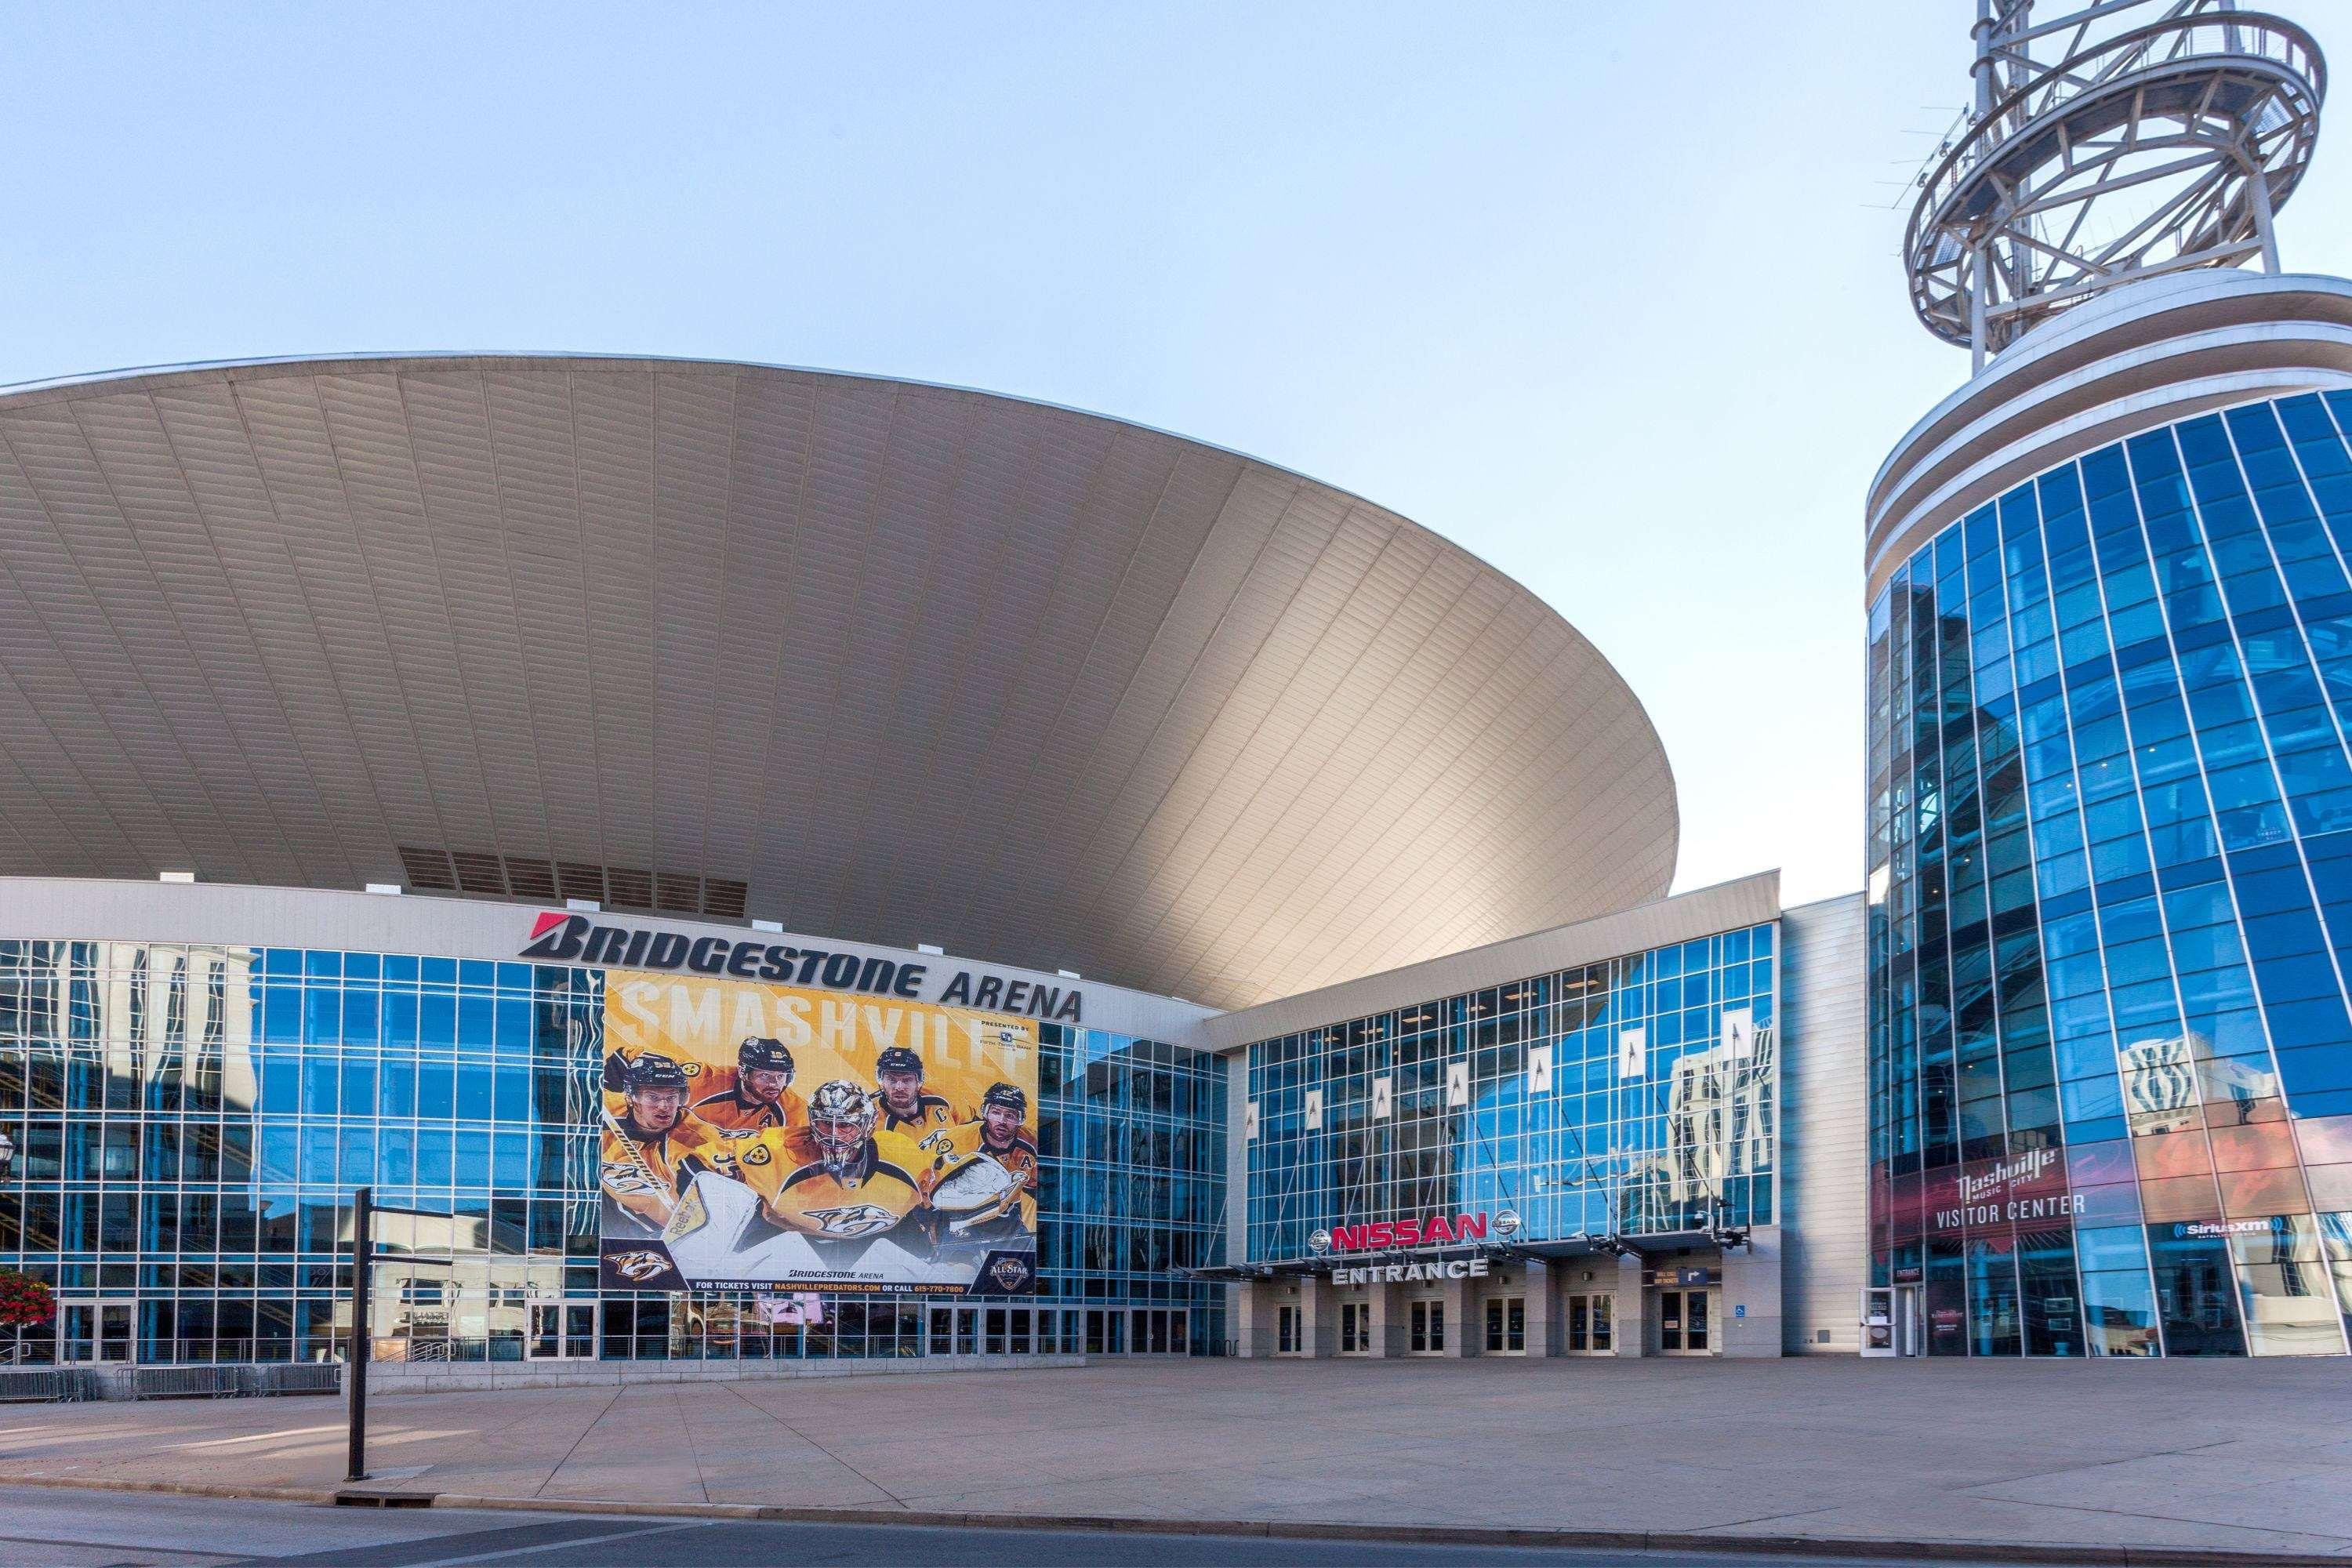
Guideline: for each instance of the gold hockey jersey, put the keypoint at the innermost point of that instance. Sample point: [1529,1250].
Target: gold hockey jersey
[796,1191]
[644,1173]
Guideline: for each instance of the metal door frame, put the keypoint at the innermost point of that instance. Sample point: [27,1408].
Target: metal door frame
[98,1307]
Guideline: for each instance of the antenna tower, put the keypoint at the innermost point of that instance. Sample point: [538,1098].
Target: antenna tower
[2118,141]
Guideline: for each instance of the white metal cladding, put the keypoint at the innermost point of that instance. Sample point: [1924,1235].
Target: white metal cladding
[2158,352]
[1703,911]
[917,663]
[1824,1132]
[200,915]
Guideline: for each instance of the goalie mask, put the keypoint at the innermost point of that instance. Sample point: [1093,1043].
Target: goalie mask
[841,1118]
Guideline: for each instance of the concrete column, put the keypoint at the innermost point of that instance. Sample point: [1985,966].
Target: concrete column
[1318,1316]
[1462,1336]
[1543,1309]
[1250,1310]
[1389,1325]
[1632,1331]
[1751,1279]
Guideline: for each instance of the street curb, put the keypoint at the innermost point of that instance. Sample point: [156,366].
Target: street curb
[2019,1553]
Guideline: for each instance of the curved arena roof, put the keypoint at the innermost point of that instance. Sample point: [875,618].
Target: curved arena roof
[894,662]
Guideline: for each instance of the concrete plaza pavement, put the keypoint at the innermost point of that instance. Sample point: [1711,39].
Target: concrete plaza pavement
[61,1529]
[2194,1457]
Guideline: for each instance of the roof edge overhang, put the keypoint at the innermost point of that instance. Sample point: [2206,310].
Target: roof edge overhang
[2159,351]
[1684,916]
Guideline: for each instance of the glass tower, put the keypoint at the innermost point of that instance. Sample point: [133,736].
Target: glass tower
[2110,878]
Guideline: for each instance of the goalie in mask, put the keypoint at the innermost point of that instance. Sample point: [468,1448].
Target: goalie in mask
[834,1177]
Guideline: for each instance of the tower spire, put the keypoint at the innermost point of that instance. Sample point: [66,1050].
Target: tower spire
[2109,141]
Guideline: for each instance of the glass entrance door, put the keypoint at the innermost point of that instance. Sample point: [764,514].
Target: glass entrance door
[93,1332]
[1684,1322]
[1506,1326]
[561,1331]
[1589,1325]
[1428,1336]
[955,1331]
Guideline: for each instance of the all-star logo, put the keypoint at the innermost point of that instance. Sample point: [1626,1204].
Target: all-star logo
[1010,1273]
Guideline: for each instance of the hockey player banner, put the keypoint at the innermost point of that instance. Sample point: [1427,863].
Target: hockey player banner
[770,1138]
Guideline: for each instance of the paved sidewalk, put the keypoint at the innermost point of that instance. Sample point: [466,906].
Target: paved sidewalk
[2222,1456]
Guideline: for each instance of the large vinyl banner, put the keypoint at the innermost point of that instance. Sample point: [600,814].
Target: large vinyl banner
[767,1137]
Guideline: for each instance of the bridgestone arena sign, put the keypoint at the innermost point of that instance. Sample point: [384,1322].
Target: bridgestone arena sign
[575,939]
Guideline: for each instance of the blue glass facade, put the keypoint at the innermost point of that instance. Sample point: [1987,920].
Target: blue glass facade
[190,1124]
[2110,901]
[1630,1097]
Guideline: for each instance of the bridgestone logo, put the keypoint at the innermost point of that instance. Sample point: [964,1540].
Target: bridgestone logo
[575,939]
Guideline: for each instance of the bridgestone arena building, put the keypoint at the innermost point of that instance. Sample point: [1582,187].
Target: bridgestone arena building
[749,864]
[753,865]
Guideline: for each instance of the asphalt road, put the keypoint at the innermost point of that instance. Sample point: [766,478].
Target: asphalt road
[57,1528]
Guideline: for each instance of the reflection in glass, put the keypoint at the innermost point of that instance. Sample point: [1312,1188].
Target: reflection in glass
[2195,1295]
[2284,1288]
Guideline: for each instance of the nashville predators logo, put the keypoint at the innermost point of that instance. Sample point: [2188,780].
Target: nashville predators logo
[639,1265]
[853,1219]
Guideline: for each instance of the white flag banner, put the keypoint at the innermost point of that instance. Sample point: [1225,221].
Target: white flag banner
[1739,1031]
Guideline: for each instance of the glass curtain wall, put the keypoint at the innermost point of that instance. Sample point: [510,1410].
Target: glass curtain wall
[190,1123]
[2110,842]
[1639,1095]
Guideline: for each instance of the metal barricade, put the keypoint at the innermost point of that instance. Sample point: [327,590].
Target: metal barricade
[299,1377]
[25,1384]
[182,1381]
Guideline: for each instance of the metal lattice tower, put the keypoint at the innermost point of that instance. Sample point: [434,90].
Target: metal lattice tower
[2120,141]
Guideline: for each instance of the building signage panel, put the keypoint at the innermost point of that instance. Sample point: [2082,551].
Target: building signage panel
[1407,1273]
[2221,1229]
[557,938]
[771,1137]
[2027,1188]
[1434,1230]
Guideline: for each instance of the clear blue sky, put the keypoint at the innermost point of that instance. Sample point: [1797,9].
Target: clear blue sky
[1612,308]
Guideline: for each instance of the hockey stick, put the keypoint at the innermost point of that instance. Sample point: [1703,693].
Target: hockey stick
[669,1201]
